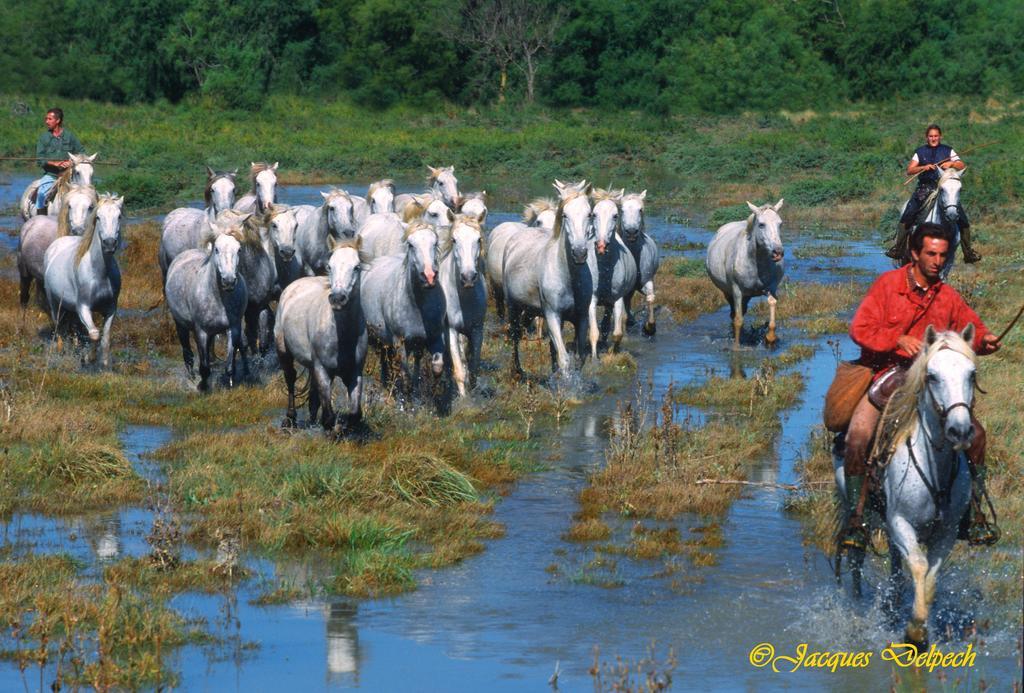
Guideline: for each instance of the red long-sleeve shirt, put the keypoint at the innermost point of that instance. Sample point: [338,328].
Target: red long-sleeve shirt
[895,305]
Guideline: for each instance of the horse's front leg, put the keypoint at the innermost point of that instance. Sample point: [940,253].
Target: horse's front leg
[650,327]
[770,337]
[323,386]
[85,315]
[593,331]
[906,540]
[618,324]
[204,345]
[553,320]
[458,365]
[290,374]
[234,343]
[736,306]
[354,385]
[476,338]
[105,340]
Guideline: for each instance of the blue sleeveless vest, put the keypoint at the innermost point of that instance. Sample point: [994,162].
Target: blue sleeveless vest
[931,155]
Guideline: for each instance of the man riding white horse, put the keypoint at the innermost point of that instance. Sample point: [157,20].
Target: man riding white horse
[889,326]
[927,164]
[52,153]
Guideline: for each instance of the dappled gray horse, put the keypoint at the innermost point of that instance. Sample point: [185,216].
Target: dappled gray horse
[320,325]
[549,274]
[465,295]
[745,260]
[335,217]
[404,306]
[219,193]
[256,264]
[263,188]
[79,173]
[82,275]
[616,269]
[281,226]
[207,296]
[183,227]
[645,254]
[539,213]
[39,232]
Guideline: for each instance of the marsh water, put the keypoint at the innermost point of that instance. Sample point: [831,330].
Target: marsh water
[533,602]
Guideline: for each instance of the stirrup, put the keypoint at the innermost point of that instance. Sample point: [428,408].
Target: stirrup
[982,534]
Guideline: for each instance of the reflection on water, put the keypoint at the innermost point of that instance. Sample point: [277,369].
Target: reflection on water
[342,644]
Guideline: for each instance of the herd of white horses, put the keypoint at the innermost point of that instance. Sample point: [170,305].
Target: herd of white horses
[409,274]
[412,273]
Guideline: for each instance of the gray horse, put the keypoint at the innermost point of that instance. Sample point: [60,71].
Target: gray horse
[281,226]
[380,196]
[616,269]
[404,307]
[256,264]
[443,185]
[207,296]
[79,173]
[184,227]
[645,254]
[465,296]
[381,235]
[219,193]
[320,324]
[539,213]
[552,275]
[474,205]
[335,217]
[75,217]
[263,188]
[745,260]
[82,274]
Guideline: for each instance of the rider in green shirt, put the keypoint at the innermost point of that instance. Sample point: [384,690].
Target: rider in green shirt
[52,150]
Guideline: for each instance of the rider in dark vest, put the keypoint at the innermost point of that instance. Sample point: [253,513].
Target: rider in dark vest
[927,164]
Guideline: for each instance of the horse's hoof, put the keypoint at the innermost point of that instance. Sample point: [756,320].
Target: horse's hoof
[289,420]
[650,329]
[94,335]
[917,635]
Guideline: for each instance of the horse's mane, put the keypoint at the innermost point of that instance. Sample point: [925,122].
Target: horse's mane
[633,196]
[413,210]
[899,414]
[599,194]
[64,217]
[209,238]
[90,226]
[273,211]
[570,195]
[210,180]
[415,226]
[533,209]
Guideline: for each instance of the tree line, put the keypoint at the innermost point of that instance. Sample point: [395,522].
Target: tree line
[661,56]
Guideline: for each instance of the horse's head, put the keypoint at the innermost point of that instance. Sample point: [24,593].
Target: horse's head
[343,269]
[765,224]
[381,196]
[224,248]
[281,224]
[78,205]
[474,205]
[220,190]
[949,381]
[633,215]
[421,252]
[264,184]
[606,217]
[540,213]
[438,214]
[574,219]
[341,219]
[108,222]
[444,184]
[82,168]
[467,243]
[567,190]
[949,194]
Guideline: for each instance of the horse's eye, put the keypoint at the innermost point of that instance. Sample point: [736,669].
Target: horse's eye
[932,378]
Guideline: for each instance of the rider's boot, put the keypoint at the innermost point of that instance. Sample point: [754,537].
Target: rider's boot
[979,531]
[970,254]
[896,251]
[855,536]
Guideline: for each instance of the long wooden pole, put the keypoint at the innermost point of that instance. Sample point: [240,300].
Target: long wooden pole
[966,151]
[1012,323]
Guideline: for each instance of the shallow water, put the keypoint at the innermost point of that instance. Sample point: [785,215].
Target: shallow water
[503,619]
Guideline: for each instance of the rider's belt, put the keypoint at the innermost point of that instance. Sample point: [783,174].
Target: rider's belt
[885,384]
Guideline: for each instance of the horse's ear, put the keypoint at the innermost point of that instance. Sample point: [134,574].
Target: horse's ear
[968,333]
[753,209]
[778,205]
[76,159]
[244,218]
[252,164]
[119,201]
[930,336]
[209,172]
[643,195]
[324,195]
[233,173]
[92,158]
[434,172]
[558,185]
[274,167]
[450,214]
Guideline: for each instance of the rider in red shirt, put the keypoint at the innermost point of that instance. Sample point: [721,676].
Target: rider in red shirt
[889,327]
